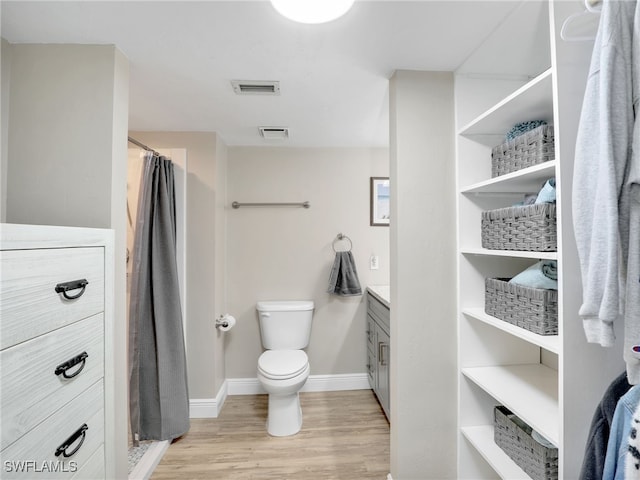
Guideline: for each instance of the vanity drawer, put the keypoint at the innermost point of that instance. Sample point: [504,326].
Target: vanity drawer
[371,333]
[379,312]
[371,369]
[36,450]
[31,390]
[30,304]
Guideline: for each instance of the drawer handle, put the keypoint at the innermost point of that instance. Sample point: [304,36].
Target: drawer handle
[382,348]
[63,288]
[63,367]
[62,449]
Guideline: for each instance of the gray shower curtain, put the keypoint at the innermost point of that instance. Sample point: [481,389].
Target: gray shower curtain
[158,397]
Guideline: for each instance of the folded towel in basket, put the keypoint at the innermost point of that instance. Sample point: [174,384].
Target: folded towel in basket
[523,127]
[547,193]
[543,274]
[343,279]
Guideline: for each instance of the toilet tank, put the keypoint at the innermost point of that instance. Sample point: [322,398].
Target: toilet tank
[285,324]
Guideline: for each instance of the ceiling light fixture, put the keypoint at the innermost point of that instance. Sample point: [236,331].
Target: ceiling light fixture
[312,11]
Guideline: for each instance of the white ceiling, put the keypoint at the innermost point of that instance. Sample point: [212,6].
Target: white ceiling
[333,77]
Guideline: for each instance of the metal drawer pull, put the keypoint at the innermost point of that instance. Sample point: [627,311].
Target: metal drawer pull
[63,367]
[63,288]
[382,358]
[62,449]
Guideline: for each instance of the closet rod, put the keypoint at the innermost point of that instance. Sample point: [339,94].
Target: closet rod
[142,146]
[275,204]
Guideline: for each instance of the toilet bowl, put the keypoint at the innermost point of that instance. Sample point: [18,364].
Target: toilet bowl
[285,329]
[282,373]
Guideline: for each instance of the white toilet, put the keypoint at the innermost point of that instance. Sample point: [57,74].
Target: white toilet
[285,327]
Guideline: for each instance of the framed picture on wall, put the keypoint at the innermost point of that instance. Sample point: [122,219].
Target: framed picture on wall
[379,191]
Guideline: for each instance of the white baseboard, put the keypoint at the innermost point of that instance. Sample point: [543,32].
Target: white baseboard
[336,383]
[208,407]
[244,386]
[211,407]
[315,383]
[149,461]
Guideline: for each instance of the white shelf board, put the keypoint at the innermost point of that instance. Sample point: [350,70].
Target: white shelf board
[481,437]
[528,179]
[505,51]
[510,253]
[530,391]
[548,342]
[533,101]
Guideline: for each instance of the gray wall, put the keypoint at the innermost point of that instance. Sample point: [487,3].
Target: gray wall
[205,250]
[61,135]
[285,253]
[5,70]
[66,132]
[423,283]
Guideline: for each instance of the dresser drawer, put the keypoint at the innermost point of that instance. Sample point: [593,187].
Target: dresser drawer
[36,450]
[31,390]
[93,468]
[30,304]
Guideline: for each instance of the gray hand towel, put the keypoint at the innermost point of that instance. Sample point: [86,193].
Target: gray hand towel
[343,279]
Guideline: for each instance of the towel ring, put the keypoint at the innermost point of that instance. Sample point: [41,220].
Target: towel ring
[339,238]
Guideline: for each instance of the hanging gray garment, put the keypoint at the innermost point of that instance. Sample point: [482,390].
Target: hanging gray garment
[603,150]
[159,400]
[630,223]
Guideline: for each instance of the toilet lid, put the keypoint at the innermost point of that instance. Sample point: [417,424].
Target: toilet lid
[282,364]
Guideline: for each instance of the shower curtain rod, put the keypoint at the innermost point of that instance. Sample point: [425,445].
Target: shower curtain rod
[142,145]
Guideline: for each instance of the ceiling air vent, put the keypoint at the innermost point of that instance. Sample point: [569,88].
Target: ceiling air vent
[274,133]
[253,87]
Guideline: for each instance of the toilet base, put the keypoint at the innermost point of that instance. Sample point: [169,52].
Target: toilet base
[284,416]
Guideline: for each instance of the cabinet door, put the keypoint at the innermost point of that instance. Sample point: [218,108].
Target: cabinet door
[372,359]
[371,369]
[383,346]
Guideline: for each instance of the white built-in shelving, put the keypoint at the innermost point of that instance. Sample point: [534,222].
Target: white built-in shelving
[525,180]
[482,439]
[530,391]
[548,342]
[551,382]
[509,253]
[533,97]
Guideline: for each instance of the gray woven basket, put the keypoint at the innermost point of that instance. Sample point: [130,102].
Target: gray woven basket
[531,148]
[534,309]
[530,228]
[513,436]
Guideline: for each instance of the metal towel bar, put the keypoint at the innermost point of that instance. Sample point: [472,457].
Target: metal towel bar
[273,204]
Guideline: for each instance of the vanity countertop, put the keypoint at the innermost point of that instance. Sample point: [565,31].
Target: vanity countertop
[382,293]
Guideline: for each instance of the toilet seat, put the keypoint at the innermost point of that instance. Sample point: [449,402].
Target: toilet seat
[282,364]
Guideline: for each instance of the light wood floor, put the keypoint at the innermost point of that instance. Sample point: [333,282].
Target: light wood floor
[344,436]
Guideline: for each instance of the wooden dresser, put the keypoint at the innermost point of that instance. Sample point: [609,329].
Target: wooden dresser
[56,352]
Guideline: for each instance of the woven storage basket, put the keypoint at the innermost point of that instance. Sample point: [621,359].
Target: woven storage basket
[531,148]
[529,228]
[534,309]
[514,437]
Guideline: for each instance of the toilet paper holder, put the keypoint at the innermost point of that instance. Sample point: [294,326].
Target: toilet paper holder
[221,321]
[225,322]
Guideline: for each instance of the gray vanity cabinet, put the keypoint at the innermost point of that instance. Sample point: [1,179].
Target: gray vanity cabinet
[378,344]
